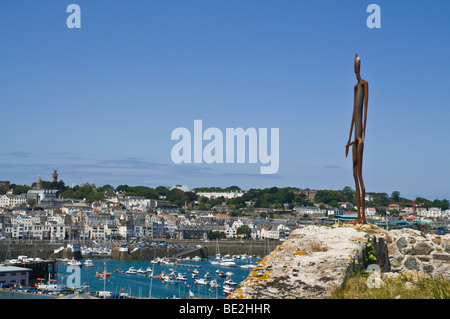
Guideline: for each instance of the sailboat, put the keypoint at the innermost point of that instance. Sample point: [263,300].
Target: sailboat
[216,260]
[104,274]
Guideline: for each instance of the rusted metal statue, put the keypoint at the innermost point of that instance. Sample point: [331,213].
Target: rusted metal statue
[361,96]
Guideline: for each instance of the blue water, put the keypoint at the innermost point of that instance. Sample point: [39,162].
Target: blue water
[139,285]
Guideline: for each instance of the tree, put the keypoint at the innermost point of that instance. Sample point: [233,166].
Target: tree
[162,190]
[31,202]
[177,197]
[232,189]
[395,196]
[244,230]
[380,199]
[334,203]
[20,189]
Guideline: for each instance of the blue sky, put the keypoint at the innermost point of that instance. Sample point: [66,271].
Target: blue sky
[99,103]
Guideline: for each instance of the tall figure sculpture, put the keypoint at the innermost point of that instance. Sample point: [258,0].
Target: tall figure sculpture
[361,96]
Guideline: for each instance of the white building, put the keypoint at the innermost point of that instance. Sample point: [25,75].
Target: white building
[125,231]
[226,195]
[432,212]
[370,211]
[237,223]
[138,201]
[12,200]
[14,231]
[270,233]
[312,211]
[231,232]
[184,188]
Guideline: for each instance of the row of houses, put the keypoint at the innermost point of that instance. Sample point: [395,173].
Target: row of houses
[78,220]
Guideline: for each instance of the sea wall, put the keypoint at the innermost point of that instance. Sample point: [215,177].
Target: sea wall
[39,249]
[232,247]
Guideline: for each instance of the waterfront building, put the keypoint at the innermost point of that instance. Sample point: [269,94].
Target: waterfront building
[270,233]
[231,232]
[12,275]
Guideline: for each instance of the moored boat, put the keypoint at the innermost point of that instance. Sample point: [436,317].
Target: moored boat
[131,271]
[88,263]
[104,274]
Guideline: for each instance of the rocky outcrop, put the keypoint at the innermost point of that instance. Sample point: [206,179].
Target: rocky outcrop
[310,263]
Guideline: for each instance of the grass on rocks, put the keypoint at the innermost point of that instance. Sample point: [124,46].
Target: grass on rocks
[401,287]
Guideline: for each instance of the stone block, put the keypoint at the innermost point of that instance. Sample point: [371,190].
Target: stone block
[422,248]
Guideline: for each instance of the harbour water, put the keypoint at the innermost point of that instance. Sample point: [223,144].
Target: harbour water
[140,285]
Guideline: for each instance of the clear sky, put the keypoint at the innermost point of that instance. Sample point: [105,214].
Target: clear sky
[99,103]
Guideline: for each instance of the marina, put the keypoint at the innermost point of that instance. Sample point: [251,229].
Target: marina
[160,278]
[144,279]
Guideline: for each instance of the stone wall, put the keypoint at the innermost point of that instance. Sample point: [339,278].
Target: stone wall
[316,259]
[414,250]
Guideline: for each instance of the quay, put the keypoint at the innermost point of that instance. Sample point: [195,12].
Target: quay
[39,269]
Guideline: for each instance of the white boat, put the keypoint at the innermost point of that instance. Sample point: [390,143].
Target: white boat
[201,281]
[156,261]
[248,266]
[64,260]
[168,262]
[227,258]
[227,263]
[227,290]
[229,273]
[74,262]
[88,263]
[149,269]
[131,271]
[196,258]
[181,276]
[207,275]
[230,282]
[195,271]
[213,283]
[141,271]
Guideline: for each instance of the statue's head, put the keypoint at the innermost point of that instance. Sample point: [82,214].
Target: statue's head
[357,66]
[357,63]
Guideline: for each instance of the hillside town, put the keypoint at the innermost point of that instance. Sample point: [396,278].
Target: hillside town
[53,211]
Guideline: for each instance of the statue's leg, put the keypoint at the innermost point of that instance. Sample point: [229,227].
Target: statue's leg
[355,176]
[361,182]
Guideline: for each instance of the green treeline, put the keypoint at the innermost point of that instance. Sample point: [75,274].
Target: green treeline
[273,197]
